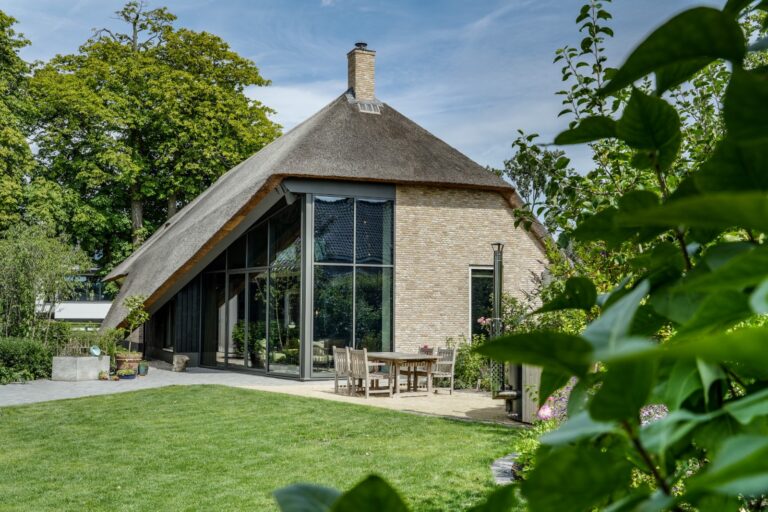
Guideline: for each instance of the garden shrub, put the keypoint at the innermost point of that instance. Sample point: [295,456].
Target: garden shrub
[472,369]
[23,359]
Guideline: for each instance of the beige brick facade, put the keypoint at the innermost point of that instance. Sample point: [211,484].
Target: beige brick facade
[440,234]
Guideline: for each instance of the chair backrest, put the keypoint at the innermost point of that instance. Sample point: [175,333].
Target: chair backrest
[341,360]
[447,359]
[430,351]
[358,364]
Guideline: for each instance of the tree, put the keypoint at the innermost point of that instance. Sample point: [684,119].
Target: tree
[16,159]
[35,274]
[137,124]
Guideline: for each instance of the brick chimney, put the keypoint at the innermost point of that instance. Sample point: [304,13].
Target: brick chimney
[360,72]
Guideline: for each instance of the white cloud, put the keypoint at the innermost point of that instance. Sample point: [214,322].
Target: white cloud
[295,103]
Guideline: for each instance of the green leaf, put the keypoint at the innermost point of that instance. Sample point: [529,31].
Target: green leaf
[711,435]
[745,107]
[371,495]
[501,500]
[709,374]
[720,254]
[748,210]
[683,381]
[661,434]
[743,270]
[739,468]
[736,165]
[550,382]
[579,293]
[614,323]
[306,498]
[575,478]
[734,7]
[576,428]
[650,124]
[717,312]
[758,301]
[698,33]
[579,396]
[556,351]
[674,74]
[588,130]
[747,347]
[747,408]
[626,388]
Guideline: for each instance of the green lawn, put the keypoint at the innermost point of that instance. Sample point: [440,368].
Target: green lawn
[219,448]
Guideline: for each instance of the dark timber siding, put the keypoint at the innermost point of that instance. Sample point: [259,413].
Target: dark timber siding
[186,318]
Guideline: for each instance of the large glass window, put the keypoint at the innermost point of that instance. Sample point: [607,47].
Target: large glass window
[214,319]
[353,258]
[284,315]
[334,221]
[236,298]
[373,308]
[374,231]
[481,293]
[257,320]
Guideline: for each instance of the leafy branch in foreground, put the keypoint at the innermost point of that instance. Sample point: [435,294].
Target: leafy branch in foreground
[684,327]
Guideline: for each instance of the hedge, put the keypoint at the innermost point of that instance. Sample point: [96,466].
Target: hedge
[23,359]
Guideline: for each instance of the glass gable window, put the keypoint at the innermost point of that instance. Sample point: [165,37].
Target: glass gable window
[353,276]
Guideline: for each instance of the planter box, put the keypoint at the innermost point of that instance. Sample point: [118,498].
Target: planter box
[79,368]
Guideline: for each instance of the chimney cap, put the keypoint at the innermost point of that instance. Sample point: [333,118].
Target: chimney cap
[361,45]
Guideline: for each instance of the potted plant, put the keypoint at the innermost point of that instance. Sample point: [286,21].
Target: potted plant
[126,374]
[143,368]
[136,317]
[103,375]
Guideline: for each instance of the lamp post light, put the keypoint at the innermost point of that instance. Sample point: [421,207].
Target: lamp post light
[500,382]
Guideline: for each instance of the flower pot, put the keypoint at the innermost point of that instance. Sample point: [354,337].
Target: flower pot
[127,377]
[143,369]
[129,360]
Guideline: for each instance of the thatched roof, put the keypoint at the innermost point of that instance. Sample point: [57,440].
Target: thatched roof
[339,142]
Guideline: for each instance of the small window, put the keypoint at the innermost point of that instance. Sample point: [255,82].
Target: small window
[480,297]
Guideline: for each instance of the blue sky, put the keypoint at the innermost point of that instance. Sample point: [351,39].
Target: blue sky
[470,71]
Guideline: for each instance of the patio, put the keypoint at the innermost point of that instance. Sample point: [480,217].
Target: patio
[465,405]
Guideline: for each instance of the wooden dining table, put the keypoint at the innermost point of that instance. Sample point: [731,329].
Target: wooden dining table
[398,360]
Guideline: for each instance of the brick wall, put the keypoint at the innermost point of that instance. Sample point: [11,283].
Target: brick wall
[440,234]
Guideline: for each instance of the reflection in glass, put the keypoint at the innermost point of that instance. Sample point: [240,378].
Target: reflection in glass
[214,318]
[257,246]
[374,231]
[332,313]
[236,308]
[257,321]
[284,320]
[373,309]
[236,254]
[285,238]
[334,218]
[481,294]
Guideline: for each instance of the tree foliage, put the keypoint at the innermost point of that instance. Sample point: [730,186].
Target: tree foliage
[35,270]
[136,124]
[16,159]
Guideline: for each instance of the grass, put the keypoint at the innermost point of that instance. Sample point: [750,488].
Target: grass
[220,448]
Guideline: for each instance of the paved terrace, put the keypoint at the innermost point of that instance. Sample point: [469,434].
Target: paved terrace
[467,405]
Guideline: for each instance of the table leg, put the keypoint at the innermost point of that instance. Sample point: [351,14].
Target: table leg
[429,377]
[397,379]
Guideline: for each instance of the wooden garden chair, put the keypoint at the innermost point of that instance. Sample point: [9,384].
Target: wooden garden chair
[364,374]
[341,365]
